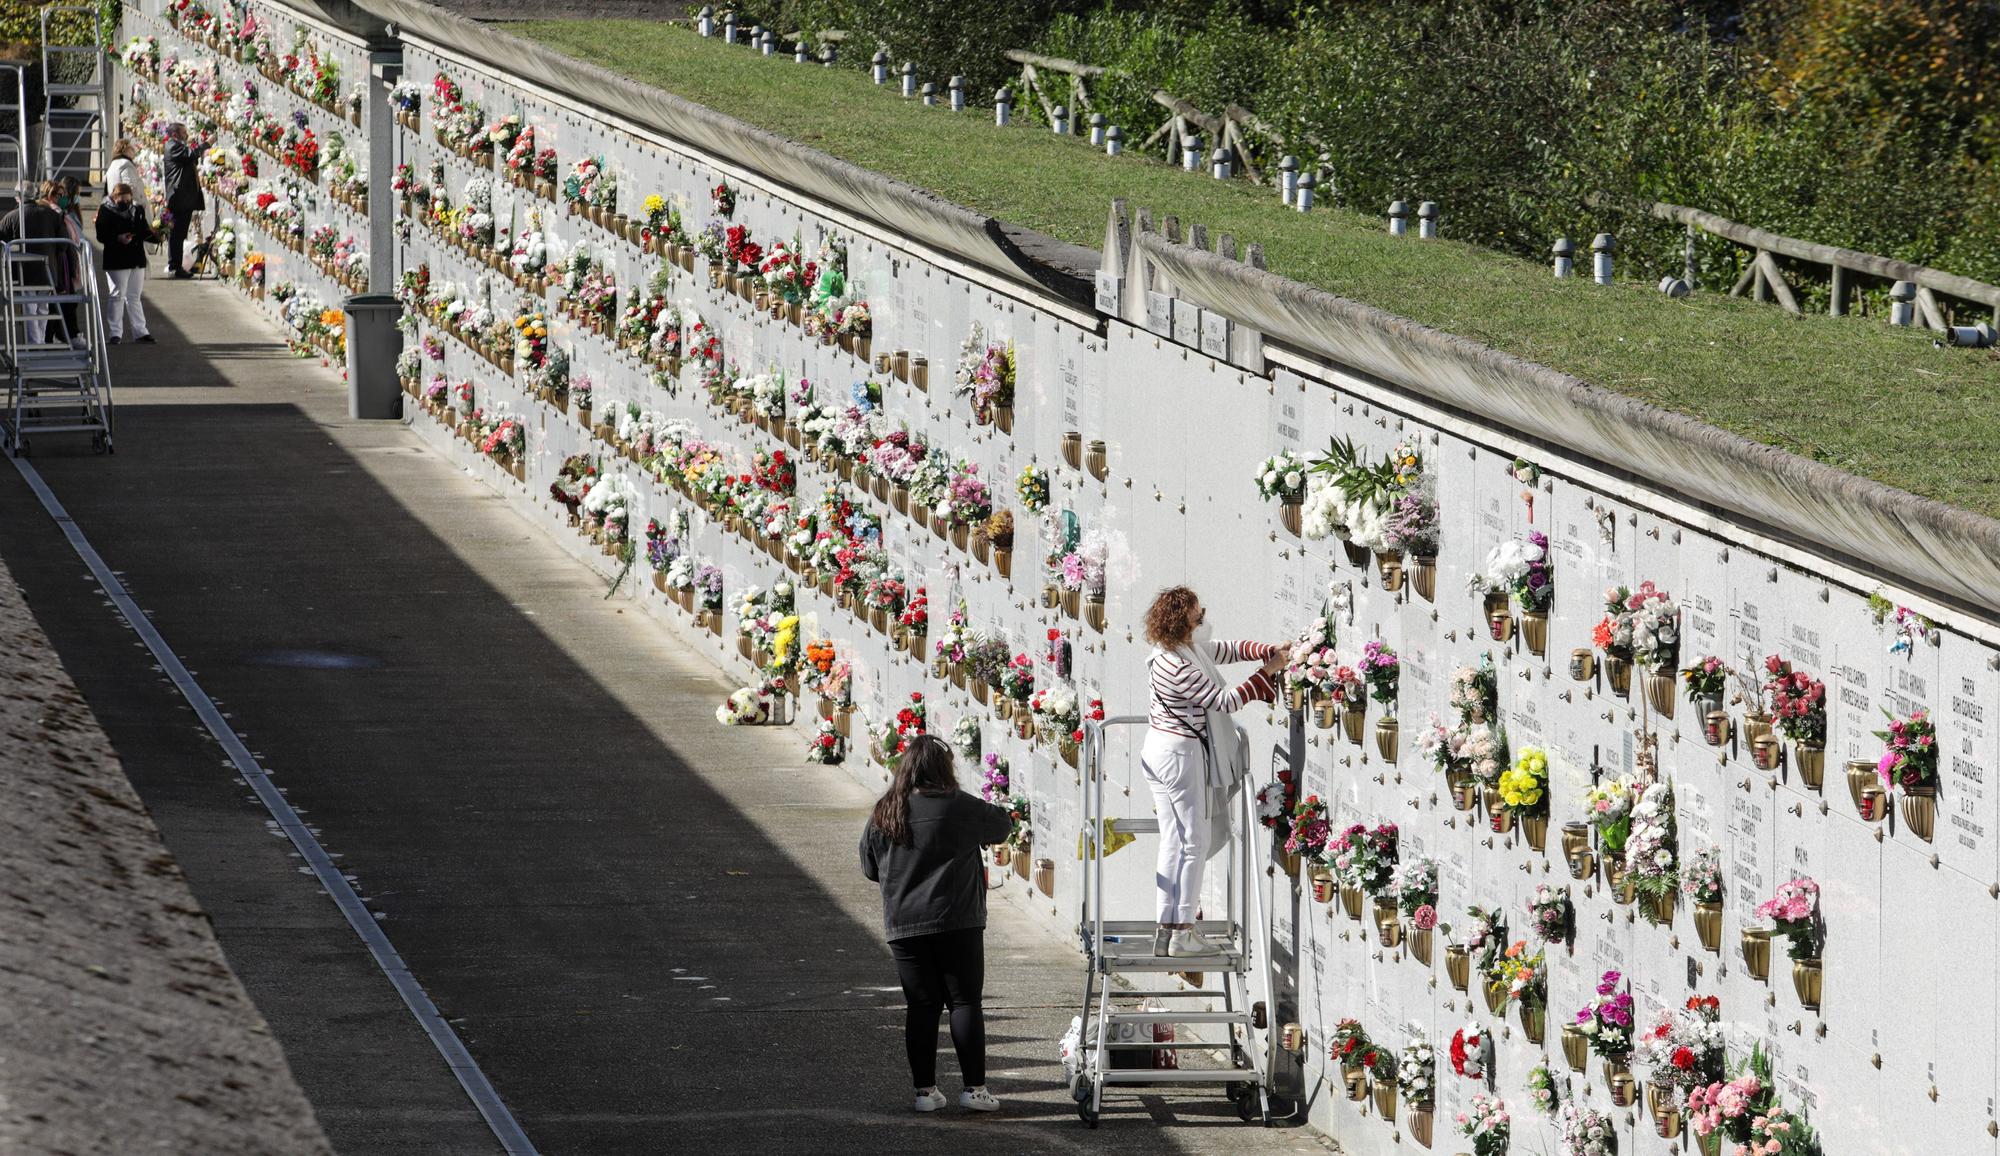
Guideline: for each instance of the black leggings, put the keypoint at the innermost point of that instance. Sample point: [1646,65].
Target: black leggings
[945,969]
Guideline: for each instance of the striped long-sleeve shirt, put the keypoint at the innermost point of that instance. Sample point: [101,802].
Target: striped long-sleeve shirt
[1182,691]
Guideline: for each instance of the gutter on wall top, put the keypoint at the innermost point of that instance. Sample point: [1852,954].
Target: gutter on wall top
[347,16]
[1019,255]
[1935,548]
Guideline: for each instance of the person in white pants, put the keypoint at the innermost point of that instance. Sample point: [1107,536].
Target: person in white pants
[123,230]
[1192,748]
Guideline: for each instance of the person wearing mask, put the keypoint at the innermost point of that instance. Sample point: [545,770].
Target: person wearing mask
[1194,753]
[124,170]
[38,264]
[924,844]
[184,196]
[123,230]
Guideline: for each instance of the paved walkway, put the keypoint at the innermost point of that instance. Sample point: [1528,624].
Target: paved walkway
[648,929]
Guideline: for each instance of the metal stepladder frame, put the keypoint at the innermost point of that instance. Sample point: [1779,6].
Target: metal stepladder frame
[52,385]
[1117,948]
[15,167]
[74,136]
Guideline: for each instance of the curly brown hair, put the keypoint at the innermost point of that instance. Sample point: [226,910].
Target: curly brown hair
[1167,618]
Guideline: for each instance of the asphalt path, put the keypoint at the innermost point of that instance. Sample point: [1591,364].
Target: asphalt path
[648,929]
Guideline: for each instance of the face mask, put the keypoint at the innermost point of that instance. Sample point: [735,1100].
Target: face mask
[1203,634]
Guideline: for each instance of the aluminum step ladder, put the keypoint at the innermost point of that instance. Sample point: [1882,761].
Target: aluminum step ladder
[58,381]
[76,99]
[1122,970]
[15,161]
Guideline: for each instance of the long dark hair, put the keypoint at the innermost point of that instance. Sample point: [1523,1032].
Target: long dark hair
[925,766]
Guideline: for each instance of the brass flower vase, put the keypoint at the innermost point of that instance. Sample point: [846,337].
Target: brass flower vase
[1458,966]
[1806,982]
[1353,721]
[1534,1022]
[1660,691]
[1387,732]
[1708,925]
[1385,1099]
[1422,1121]
[1576,1047]
[1496,996]
[1290,516]
[1919,807]
[1419,941]
[1535,828]
[1811,762]
[1618,672]
[1350,901]
[1535,631]
[1424,577]
[1757,952]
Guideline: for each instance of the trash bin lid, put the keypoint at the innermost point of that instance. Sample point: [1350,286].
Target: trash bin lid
[371,301]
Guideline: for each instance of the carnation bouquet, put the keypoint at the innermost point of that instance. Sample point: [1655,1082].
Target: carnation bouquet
[1417,891]
[746,706]
[1551,916]
[1911,758]
[1683,1048]
[1275,801]
[1468,1050]
[1380,669]
[1365,859]
[1798,702]
[1309,832]
[1416,1073]
[826,748]
[1486,1124]
[1794,910]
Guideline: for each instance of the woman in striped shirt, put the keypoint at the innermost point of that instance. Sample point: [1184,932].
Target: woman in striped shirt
[1180,758]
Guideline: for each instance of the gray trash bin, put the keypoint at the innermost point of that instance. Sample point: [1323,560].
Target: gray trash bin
[373,345]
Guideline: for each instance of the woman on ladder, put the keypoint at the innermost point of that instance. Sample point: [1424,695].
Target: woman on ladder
[1193,749]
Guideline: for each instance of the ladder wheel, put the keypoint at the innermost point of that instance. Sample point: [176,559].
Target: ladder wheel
[1245,1096]
[1087,1114]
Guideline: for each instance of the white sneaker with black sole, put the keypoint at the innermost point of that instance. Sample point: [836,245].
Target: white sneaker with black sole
[978,1100]
[931,1100]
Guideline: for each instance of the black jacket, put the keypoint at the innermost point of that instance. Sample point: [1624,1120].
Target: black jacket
[184,196]
[113,223]
[938,882]
[33,220]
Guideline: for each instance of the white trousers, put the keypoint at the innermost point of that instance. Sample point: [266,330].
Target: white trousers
[1176,768]
[125,313]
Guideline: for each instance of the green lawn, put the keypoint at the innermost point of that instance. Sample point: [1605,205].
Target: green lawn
[1853,393]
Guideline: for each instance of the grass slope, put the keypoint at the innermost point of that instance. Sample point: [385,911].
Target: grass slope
[1855,394]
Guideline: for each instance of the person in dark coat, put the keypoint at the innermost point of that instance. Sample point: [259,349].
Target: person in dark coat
[123,230]
[924,844]
[45,264]
[184,196]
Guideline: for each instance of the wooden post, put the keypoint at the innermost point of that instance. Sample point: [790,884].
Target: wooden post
[1836,305]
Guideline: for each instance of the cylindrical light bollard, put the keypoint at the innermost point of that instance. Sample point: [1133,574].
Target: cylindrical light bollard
[1288,178]
[929,92]
[1601,248]
[1399,218]
[957,88]
[878,67]
[829,54]
[1114,141]
[800,54]
[1674,287]
[1003,107]
[1903,303]
[1565,257]
[1427,220]
[768,43]
[707,20]
[1970,336]
[1190,152]
[1059,121]
[1218,164]
[1302,197]
[729,27]
[909,79]
[1097,128]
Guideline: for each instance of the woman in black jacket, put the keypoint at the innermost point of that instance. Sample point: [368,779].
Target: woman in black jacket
[123,230]
[923,845]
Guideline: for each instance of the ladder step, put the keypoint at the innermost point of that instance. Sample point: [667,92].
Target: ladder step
[1178,1017]
[1178,1075]
[1136,826]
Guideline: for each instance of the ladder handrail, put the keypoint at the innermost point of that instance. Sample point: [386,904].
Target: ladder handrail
[93,136]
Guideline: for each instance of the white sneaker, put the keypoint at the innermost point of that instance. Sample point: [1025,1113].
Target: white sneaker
[978,1100]
[931,1100]
[1187,943]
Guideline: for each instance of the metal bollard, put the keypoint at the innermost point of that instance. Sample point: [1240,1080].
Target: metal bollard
[1114,141]
[909,79]
[1302,199]
[1190,152]
[1218,164]
[767,43]
[1427,220]
[1096,128]
[1674,287]
[799,53]
[1003,107]
[1565,257]
[929,93]
[878,67]
[707,21]
[1059,121]
[1903,303]
[956,86]
[1288,179]
[1601,247]
[1970,336]
[1399,218]
[729,27]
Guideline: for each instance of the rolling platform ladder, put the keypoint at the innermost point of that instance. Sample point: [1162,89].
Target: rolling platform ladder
[76,87]
[58,379]
[1123,972]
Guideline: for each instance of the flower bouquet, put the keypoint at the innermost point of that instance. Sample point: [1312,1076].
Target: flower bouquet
[1364,863]
[1606,1025]
[1486,1124]
[1794,913]
[1701,882]
[1608,807]
[1551,915]
[1282,478]
[1275,801]
[995,782]
[1416,898]
[1798,706]
[1524,792]
[1909,764]
[1357,1057]
[827,748]
[1682,1051]
[1541,1085]
[1520,978]
[746,706]
[1468,1051]
[1649,854]
[1416,1079]
[1307,836]
[1585,1132]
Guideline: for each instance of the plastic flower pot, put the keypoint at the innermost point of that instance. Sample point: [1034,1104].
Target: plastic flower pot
[1388,732]
[1576,1047]
[1757,952]
[1919,807]
[1708,925]
[1423,576]
[1806,982]
[1458,966]
[1535,631]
